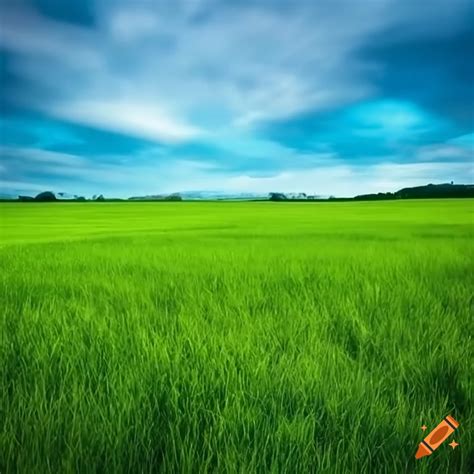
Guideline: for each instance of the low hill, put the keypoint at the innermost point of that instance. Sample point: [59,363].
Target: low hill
[430,191]
[437,191]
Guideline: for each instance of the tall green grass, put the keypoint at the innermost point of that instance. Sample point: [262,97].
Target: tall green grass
[235,337]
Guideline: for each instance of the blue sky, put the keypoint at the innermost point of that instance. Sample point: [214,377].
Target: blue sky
[132,97]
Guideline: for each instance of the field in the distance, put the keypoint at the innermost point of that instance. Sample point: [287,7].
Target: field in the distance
[235,337]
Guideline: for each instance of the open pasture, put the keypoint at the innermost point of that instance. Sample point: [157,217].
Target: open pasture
[235,337]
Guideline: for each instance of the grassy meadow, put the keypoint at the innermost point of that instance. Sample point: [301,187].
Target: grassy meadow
[235,337]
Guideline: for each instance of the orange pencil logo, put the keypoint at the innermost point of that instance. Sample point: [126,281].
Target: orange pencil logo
[437,437]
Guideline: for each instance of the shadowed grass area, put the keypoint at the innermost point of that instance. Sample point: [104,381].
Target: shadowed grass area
[235,337]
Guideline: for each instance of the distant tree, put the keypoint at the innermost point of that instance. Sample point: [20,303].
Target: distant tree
[277,197]
[25,198]
[80,198]
[173,197]
[46,196]
[100,197]
[375,197]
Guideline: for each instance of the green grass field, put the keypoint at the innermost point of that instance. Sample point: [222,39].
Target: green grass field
[235,337]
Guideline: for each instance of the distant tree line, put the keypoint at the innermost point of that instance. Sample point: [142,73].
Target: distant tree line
[430,191]
[157,197]
[49,196]
[46,196]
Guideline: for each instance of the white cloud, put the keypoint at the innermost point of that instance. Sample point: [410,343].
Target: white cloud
[79,175]
[392,176]
[41,157]
[255,63]
[8,186]
[345,180]
[444,152]
[157,70]
[36,37]
[130,24]
[137,119]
